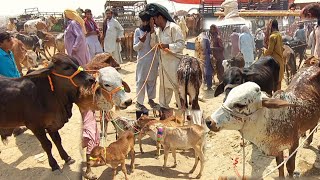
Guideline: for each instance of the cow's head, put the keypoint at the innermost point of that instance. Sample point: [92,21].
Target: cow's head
[102,60]
[38,43]
[113,87]
[243,102]
[65,73]
[312,61]
[233,77]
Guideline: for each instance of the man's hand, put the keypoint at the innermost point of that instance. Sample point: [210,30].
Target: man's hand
[151,24]
[143,38]
[118,40]
[164,46]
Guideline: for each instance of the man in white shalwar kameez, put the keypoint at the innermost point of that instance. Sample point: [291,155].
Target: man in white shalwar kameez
[141,44]
[112,34]
[170,37]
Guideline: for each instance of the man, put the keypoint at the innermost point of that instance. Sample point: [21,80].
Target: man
[217,48]
[11,26]
[275,49]
[112,34]
[76,46]
[312,40]
[142,45]
[92,35]
[8,67]
[169,37]
[300,34]
[234,37]
[247,45]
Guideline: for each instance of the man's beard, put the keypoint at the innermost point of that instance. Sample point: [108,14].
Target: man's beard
[145,28]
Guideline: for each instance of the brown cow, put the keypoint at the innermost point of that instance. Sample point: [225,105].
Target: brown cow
[19,52]
[273,124]
[59,43]
[127,44]
[52,103]
[290,62]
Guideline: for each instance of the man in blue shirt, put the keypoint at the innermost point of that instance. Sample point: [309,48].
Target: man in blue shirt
[8,66]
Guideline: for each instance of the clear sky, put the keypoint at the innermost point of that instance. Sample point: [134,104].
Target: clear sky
[16,7]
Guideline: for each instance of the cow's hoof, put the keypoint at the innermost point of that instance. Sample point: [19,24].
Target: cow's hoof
[156,157]
[162,169]
[70,161]
[191,171]
[174,166]
[199,176]
[306,145]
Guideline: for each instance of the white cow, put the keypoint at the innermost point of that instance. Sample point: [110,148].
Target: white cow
[273,124]
[43,24]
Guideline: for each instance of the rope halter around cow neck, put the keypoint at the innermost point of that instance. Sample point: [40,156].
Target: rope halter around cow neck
[80,69]
[112,92]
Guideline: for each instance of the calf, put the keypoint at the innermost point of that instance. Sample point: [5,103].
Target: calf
[147,128]
[264,72]
[31,42]
[48,41]
[19,52]
[273,124]
[59,43]
[114,155]
[237,61]
[185,137]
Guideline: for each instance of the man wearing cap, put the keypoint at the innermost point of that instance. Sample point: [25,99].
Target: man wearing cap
[92,35]
[142,45]
[112,34]
[170,38]
[8,66]
[76,46]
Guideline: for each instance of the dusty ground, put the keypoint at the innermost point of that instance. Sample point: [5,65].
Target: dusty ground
[23,157]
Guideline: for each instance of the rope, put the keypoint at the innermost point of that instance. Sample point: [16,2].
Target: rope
[145,81]
[285,161]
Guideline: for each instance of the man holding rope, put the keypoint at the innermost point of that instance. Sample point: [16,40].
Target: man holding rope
[147,61]
[170,38]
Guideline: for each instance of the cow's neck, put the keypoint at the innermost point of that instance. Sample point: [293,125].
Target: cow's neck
[64,97]
[263,129]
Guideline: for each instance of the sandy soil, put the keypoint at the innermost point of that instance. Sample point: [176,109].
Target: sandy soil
[23,157]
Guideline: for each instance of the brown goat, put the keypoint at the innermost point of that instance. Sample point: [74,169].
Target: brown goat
[146,129]
[114,154]
[185,137]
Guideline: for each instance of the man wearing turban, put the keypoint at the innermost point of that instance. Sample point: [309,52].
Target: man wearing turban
[170,36]
[76,46]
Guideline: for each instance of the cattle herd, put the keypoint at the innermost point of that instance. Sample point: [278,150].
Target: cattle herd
[270,119]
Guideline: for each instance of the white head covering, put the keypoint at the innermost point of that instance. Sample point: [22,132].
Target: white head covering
[245,29]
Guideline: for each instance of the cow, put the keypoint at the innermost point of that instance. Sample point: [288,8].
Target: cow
[272,124]
[48,41]
[19,52]
[59,43]
[264,72]
[127,43]
[45,99]
[32,26]
[32,42]
[191,25]
[237,61]
[290,62]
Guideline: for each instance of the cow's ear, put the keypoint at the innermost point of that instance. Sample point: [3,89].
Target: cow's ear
[275,103]
[126,87]
[219,90]
[41,72]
